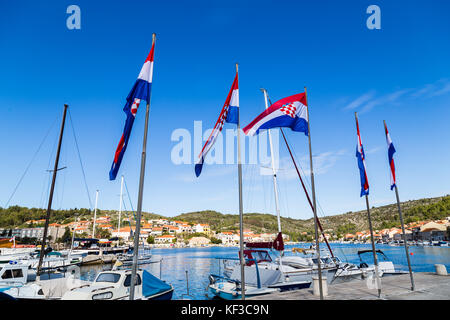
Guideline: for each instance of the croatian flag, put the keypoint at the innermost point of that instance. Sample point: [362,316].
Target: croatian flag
[139,92]
[391,151]
[288,112]
[361,164]
[230,114]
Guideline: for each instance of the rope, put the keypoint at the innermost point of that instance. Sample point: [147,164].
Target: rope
[129,198]
[29,164]
[79,158]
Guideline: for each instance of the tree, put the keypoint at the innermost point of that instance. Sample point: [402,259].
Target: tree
[102,233]
[150,240]
[66,237]
[215,241]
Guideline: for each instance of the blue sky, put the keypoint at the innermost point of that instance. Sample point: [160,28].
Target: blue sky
[400,74]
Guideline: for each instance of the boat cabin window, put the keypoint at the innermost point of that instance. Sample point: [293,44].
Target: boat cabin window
[327,260]
[108,277]
[258,256]
[127,281]
[10,274]
[336,260]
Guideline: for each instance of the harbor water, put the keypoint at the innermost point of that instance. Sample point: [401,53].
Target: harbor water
[200,262]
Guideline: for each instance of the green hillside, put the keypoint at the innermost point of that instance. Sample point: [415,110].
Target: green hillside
[350,222]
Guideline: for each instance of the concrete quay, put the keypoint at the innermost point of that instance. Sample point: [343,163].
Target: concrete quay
[428,286]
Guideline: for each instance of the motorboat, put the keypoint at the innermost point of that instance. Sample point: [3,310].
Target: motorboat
[257,283]
[442,244]
[385,266]
[115,285]
[259,264]
[229,289]
[299,270]
[14,281]
[127,259]
[19,281]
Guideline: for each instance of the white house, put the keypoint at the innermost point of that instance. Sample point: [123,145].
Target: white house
[228,238]
[167,238]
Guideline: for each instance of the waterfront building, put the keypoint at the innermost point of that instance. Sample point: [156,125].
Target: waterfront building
[199,241]
[228,237]
[185,228]
[123,233]
[167,238]
[156,231]
[202,228]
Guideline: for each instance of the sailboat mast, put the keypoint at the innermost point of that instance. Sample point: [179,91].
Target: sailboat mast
[241,209]
[275,186]
[306,192]
[274,175]
[95,214]
[52,188]
[140,196]
[120,205]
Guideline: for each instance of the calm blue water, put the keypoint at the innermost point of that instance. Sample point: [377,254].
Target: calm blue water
[200,262]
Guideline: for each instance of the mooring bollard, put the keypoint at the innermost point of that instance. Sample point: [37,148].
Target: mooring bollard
[316,290]
[441,270]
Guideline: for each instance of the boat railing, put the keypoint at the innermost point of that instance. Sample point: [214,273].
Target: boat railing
[103,288]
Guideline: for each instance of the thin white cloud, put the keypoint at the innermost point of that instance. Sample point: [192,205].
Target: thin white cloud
[373,150]
[443,90]
[369,100]
[322,163]
[360,100]
[385,99]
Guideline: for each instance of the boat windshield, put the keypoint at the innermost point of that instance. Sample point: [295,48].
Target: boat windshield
[367,256]
[257,255]
[261,256]
[108,277]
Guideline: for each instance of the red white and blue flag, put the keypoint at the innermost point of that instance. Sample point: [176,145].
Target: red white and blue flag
[391,151]
[361,163]
[139,92]
[230,114]
[288,112]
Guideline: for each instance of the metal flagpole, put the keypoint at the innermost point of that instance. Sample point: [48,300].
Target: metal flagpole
[404,238]
[120,205]
[377,276]
[403,227]
[241,213]
[95,213]
[275,186]
[314,201]
[52,188]
[140,196]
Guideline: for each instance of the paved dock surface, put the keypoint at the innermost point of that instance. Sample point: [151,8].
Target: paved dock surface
[429,286]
